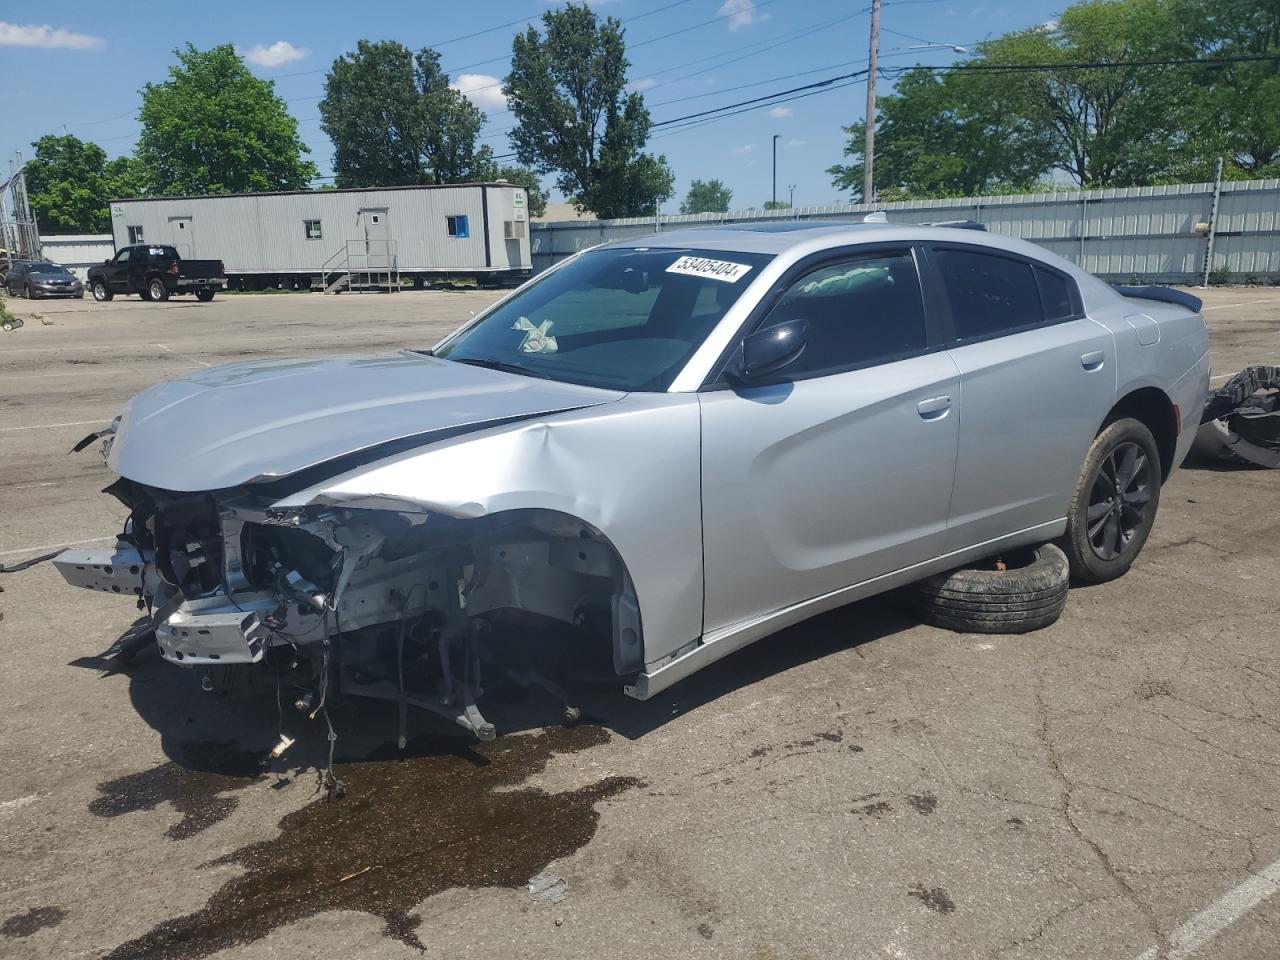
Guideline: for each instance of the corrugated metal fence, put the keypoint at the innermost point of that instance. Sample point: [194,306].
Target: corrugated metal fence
[1155,234]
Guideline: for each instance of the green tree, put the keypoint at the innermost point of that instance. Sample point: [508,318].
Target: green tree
[946,136]
[124,177]
[70,181]
[707,196]
[776,205]
[1106,126]
[567,90]
[213,127]
[997,123]
[1233,108]
[394,120]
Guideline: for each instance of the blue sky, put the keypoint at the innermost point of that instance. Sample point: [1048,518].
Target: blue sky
[82,65]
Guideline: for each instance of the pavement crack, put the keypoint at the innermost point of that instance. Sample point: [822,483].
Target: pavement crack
[1043,926]
[1065,810]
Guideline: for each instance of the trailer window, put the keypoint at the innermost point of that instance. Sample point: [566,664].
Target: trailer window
[135,235]
[458,226]
[311,228]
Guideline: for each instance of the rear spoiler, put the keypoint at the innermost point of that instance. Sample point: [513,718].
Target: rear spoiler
[1163,294]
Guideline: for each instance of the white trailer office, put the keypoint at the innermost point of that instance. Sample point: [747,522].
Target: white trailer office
[342,238]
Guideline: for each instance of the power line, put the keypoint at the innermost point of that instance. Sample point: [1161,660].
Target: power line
[768,44]
[1085,65]
[631,19]
[833,83]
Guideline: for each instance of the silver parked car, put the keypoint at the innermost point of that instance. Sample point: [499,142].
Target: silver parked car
[679,444]
[40,278]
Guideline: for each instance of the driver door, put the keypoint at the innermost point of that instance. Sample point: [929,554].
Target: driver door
[839,469]
[118,271]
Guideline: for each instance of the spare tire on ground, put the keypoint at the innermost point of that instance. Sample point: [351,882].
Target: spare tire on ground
[1029,593]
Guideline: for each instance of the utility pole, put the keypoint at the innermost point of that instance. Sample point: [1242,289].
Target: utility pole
[869,148]
[775,169]
[792,202]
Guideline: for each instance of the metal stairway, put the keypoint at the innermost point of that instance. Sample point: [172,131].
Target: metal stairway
[362,265]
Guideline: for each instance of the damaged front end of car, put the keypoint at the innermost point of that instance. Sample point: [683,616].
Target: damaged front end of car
[327,601]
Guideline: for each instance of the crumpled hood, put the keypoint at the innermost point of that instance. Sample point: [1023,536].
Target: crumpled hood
[264,419]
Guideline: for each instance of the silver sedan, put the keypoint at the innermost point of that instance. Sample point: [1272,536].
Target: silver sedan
[39,278]
[677,444]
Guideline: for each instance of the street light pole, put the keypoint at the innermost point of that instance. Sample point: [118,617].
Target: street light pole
[775,169]
[869,147]
[792,202]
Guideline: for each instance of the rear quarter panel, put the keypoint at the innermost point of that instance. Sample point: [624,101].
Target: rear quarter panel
[1158,345]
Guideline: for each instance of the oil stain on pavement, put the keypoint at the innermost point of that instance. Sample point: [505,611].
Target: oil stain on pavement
[195,787]
[35,919]
[439,816]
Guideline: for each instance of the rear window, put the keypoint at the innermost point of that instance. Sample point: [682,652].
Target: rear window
[1055,295]
[989,295]
[163,253]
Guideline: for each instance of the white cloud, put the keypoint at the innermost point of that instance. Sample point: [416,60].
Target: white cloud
[1049,26]
[743,150]
[741,13]
[483,90]
[797,143]
[43,35]
[644,83]
[779,113]
[276,55]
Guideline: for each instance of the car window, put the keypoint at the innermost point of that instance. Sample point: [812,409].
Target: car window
[625,318]
[989,295]
[123,256]
[1055,295]
[860,311]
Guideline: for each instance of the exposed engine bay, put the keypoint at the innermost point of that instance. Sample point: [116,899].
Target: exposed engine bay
[327,602]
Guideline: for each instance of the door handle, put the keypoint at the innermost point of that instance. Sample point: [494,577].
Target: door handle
[1093,360]
[934,408]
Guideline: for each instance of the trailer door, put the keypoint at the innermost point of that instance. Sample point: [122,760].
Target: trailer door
[376,237]
[182,237]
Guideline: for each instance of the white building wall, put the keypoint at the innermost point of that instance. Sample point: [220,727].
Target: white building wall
[77,252]
[265,233]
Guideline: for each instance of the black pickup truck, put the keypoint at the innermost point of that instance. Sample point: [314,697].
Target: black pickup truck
[155,272]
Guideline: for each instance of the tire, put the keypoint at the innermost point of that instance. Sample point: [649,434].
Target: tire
[205,295]
[101,292]
[30,294]
[1121,495]
[1029,594]
[156,290]
[6,326]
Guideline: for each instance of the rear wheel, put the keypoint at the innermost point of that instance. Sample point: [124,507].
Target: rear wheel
[1114,506]
[101,292]
[157,290]
[205,295]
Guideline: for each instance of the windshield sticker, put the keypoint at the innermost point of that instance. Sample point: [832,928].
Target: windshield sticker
[712,269]
[536,338]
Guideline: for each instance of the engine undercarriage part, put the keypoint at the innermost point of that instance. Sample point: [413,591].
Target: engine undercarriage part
[361,602]
[1242,418]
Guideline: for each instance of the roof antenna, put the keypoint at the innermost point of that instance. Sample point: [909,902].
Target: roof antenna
[877,217]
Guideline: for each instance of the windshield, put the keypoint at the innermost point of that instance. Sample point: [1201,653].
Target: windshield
[48,268]
[623,319]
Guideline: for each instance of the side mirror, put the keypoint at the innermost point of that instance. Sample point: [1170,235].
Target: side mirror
[768,351]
